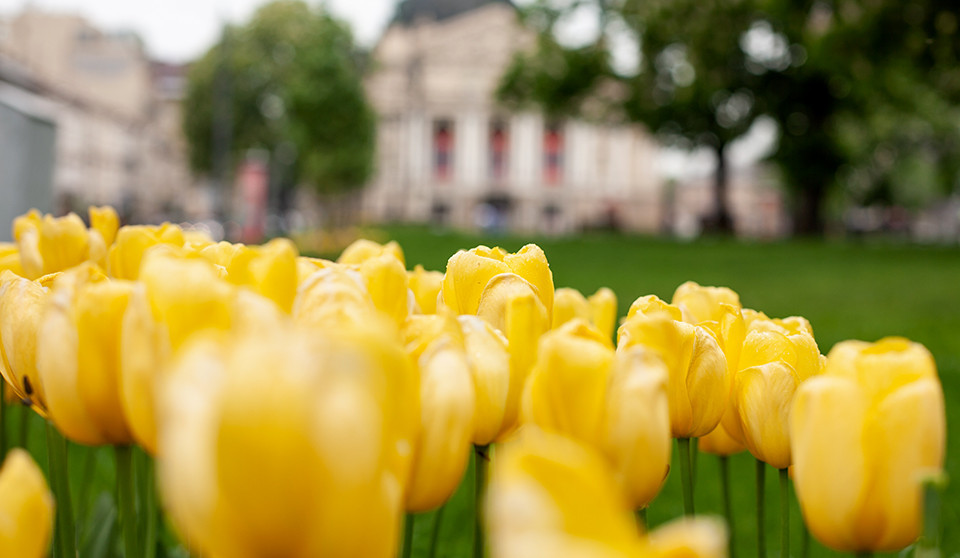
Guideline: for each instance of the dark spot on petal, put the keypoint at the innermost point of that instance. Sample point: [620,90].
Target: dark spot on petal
[27,388]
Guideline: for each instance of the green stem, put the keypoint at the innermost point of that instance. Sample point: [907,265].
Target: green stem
[928,546]
[148,498]
[435,532]
[784,514]
[686,478]
[727,505]
[694,454]
[408,535]
[761,532]
[126,500]
[24,430]
[480,489]
[66,541]
[642,520]
[805,541]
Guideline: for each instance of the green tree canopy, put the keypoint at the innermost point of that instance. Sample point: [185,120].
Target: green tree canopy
[865,92]
[288,81]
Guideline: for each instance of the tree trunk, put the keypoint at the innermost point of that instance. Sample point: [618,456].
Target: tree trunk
[808,213]
[721,220]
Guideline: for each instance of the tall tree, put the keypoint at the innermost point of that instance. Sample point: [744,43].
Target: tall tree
[291,81]
[865,92]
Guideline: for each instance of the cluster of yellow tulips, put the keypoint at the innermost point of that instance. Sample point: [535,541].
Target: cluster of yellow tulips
[300,407]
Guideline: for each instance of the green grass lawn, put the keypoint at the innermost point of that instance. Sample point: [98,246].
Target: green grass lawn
[846,290]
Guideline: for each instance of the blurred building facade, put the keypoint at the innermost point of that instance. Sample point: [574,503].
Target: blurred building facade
[118,138]
[448,154]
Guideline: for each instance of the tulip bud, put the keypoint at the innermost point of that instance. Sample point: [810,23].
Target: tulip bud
[105,221]
[616,402]
[362,250]
[446,425]
[386,281]
[861,435]
[48,245]
[132,242]
[22,302]
[764,397]
[161,317]
[26,508]
[497,392]
[720,442]
[269,270]
[468,273]
[331,297]
[699,384]
[10,258]
[426,287]
[78,356]
[603,311]
[703,304]
[551,496]
[298,462]
[569,304]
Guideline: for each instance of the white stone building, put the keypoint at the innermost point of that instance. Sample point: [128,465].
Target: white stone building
[447,153]
[118,135]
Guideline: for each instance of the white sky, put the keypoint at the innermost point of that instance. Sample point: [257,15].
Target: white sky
[181,30]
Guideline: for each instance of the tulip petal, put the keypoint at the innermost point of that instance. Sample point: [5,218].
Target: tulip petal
[905,437]
[827,443]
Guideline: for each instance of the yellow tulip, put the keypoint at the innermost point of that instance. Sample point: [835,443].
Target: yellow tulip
[764,397]
[22,303]
[163,314]
[552,496]
[26,508]
[720,442]
[777,355]
[789,340]
[297,462]
[362,250]
[703,304]
[637,431]
[447,403]
[105,221]
[386,281]
[308,266]
[600,309]
[603,311]
[48,244]
[269,270]
[862,434]
[497,392]
[699,383]
[426,287]
[10,258]
[331,297]
[617,403]
[569,304]
[132,242]
[78,356]
[718,310]
[469,272]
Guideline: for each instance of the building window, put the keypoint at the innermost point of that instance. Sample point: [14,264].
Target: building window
[499,144]
[553,153]
[442,150]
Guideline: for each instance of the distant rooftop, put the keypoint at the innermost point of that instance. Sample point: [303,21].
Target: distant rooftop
[410,11]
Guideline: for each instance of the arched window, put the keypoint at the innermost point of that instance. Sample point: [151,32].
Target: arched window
[553,153]
[443,150]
